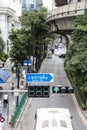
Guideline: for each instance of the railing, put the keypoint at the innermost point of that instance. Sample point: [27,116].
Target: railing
[71,9]
[18,109]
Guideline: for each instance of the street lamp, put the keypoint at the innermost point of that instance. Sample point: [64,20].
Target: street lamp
[8,110]
[18,79]
[28,63]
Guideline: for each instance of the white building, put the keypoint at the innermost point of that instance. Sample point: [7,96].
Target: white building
[10,10]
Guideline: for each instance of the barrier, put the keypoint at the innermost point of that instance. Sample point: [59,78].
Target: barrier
[18,109]
[71,9]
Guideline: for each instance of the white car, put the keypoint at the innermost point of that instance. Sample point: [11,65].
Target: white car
[57,53]
[53,119]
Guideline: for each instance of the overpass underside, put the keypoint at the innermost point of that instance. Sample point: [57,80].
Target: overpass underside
[63,26]
[60,2]
[62,19]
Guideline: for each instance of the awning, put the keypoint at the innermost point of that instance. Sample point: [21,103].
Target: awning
[4,75]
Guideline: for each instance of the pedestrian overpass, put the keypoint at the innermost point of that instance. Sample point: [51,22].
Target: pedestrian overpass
[62,18]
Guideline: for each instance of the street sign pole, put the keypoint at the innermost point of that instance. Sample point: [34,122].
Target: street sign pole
[8,110]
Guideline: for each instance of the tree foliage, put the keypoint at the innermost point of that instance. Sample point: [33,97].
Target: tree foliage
[2,44]
[3,55]
[76,60]
[32,38]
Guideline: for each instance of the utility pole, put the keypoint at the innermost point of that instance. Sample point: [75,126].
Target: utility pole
[33,40]
[8,110]
[28,58]
[18,80]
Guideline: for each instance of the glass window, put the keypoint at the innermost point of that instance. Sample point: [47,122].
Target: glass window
[45,123]
[63,123]
[54,123]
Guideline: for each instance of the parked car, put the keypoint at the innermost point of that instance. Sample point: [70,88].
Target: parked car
[52,50]
[57,53]
[62,56]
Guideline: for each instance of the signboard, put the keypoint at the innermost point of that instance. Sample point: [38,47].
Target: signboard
[39,77]
[27,62]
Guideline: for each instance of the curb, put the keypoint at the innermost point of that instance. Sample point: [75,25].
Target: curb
[78,109]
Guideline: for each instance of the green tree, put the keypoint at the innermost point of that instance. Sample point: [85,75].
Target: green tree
[20,45]
[1,45]
[3,55]
[76,60]
[32,39]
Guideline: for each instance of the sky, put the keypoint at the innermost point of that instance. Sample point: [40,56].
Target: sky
[48,4]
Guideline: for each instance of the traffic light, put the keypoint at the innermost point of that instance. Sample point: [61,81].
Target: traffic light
[39,91]
[62,89]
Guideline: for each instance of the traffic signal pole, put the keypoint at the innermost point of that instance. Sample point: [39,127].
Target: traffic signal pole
[18,79]
[10,91]
[18,67]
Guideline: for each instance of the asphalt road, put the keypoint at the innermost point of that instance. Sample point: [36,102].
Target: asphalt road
[55,66]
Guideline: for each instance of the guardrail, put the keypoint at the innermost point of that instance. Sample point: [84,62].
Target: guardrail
[18,109]
[71,9]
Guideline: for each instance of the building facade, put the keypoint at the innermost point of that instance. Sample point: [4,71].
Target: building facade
[30,4]
[37,3]
[10,10]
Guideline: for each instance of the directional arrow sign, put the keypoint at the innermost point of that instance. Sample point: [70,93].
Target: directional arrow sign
[39,77]
[56,89]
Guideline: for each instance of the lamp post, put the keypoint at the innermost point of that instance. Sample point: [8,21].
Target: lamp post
[18,80]
[28,63]
[8,110]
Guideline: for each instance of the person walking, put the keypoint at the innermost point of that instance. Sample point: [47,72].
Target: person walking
[1,125]
[5,99]
[2,119]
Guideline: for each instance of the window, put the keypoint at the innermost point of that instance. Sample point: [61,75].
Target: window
[55,123]
[45,123]
[63,123]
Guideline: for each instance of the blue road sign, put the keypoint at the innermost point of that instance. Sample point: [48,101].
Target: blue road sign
[39,77]
[27,62]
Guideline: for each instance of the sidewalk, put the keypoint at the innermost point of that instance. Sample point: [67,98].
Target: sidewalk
[7,86]
[20,119]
